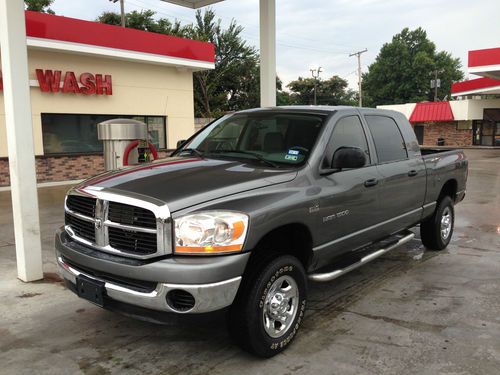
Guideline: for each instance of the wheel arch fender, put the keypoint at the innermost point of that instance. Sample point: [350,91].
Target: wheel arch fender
[292,238]
[449,189]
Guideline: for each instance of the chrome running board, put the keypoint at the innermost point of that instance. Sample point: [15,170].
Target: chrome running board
[328,276]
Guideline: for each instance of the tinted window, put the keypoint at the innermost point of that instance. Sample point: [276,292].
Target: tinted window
[388,140]
[349,132]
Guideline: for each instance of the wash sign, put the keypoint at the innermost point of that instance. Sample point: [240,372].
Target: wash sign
[54,81]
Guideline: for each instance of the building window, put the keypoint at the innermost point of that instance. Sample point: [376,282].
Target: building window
[77,133]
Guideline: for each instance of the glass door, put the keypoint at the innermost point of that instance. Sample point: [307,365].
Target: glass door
[490,131]
[487,132]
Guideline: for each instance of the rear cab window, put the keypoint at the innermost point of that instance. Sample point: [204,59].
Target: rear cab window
[389,142]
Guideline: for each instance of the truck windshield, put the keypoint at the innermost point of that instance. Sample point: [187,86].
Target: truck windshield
[274,139]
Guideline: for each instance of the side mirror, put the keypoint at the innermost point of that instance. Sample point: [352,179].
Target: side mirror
[348,157]
[181,142]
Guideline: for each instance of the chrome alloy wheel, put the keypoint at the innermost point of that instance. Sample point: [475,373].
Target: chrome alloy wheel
[446,223]
[280,307]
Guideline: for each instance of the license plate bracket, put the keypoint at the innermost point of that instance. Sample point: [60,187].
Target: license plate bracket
[91,290]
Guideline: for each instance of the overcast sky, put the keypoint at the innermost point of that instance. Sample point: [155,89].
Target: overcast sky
[324,32]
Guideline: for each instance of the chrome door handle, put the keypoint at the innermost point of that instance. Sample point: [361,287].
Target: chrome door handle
[371,182]
[412,173]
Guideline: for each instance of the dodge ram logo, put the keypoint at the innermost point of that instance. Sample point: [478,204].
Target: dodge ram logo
[98,224]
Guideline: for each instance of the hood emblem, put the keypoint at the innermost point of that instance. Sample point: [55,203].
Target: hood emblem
[98,223]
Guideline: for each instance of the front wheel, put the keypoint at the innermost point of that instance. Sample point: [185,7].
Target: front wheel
[269,308]
[436,231]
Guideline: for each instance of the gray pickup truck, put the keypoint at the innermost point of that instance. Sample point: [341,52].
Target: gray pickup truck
[251,208]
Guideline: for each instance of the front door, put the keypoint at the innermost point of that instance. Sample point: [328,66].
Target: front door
[490,128]
[347,205]
[487,132]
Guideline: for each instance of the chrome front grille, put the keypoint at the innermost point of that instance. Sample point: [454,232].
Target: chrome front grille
[81,205]
[110,223]
[132,242]
[131,215]
[82,228]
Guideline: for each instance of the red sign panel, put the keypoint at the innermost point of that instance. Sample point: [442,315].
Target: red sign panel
[86,84]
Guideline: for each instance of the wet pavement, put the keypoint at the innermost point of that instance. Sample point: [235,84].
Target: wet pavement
[411,311]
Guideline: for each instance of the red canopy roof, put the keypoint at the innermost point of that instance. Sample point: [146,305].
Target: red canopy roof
[65,29]
[432,111]
[482,57]
[475,86]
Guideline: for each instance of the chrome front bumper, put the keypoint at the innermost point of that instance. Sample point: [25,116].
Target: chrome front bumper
[208,297]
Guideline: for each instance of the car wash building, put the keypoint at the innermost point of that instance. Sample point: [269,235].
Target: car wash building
[82,73]
[473,119]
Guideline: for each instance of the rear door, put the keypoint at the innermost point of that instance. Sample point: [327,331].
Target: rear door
[402,180]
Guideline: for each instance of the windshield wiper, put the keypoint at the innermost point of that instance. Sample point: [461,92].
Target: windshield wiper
[192,151]
[257,156]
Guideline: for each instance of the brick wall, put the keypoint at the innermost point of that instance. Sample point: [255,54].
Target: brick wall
[63,168]
[59,168]
[447,130]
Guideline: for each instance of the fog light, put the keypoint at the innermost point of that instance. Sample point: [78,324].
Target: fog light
[180,300]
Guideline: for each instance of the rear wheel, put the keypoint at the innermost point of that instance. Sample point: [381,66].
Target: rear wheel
[436,231]
[269,308]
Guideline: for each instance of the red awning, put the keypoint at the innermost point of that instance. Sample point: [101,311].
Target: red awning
[432,111]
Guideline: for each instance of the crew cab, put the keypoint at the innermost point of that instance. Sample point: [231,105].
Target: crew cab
[251,209]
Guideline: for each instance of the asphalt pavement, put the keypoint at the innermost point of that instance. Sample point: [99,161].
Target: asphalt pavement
[411,311]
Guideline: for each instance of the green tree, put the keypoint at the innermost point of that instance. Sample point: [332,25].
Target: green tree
[404,67]
[234,83]
[144,20]
[282,97]
[333,91]
[39,6]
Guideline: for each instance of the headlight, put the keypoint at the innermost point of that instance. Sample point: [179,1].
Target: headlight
[210,232]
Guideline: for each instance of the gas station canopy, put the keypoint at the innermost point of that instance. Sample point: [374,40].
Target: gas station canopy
[486,64]
[194,4]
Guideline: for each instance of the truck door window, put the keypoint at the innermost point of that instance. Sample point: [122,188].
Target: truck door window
[389,142]
[349,132]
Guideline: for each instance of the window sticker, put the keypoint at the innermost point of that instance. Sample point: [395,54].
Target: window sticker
[291,157]
[293,152]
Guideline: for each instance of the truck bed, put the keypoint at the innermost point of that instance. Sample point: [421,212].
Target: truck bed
[433,150]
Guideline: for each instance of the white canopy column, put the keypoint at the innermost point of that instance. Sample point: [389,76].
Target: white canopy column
[20,140]
[267,53]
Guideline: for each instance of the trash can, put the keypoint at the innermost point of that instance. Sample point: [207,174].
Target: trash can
[440,141]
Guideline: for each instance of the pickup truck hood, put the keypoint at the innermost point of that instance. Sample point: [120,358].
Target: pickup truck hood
[183,182]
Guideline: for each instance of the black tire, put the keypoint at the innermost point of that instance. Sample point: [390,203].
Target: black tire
[431,230]
[252,307]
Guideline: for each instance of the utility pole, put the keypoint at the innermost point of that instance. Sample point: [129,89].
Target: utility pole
[358,54]
[315,74]
[122,10]
[435,84]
